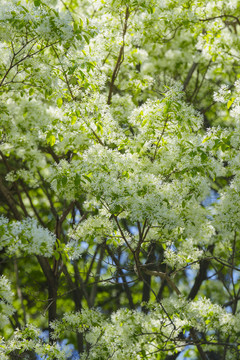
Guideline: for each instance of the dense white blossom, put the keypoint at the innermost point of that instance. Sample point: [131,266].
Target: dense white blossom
[119,120]
[27,237]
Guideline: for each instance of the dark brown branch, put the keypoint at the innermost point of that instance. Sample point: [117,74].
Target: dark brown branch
[73,288]
[201,276]
[19,291]
[120,58]
[203,78]
[97,137]
[10,201]
[189,75]
[64,73]
[147,278]
[125,284]
[77,297]
[160,138]
[66,212]
[52,282]
[83,287]
[220,17]
[123,236]
[163,276]
[91,264]
[99,264]
[15,185]
[52,153]
[45,187]
[166,40]
[31,203]
[20,200]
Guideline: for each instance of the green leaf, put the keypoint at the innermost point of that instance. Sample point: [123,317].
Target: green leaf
[37,2]
[52,140]
[77,180]
[64,180]
[73,120]
[99,128]
[230,102]
[151,10]
[204,157]
[59,185]
[87,178]
[117,209]
[64,259]
[81,74]
[214,57]
[206,139]
[86,38]
[56,255]
[59,102]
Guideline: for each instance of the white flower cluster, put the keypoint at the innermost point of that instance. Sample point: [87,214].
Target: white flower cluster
[6,300]
[26,237]
[28,339]
[40,19]
[222,95]
[183,257]
[130,334]
[93,230]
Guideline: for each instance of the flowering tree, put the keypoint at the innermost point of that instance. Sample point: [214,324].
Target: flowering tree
[119,179]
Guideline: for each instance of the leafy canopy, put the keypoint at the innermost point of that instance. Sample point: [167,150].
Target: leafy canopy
[119,179]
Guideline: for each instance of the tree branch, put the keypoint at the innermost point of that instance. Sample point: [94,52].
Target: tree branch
[120,58]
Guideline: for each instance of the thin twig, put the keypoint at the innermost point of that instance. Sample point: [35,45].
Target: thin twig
[120,58]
